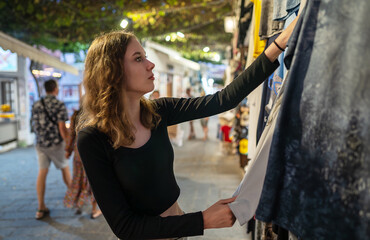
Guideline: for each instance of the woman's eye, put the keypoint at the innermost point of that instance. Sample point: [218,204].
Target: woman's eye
[139,59]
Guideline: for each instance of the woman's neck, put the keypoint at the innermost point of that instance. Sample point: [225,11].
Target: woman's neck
[142,134]
[132,107]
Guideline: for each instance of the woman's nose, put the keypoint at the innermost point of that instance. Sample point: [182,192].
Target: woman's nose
[150,65]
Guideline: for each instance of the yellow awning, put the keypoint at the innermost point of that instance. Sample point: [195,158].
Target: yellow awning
[14,45]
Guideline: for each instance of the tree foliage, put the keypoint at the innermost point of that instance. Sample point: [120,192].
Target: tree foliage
[70,25]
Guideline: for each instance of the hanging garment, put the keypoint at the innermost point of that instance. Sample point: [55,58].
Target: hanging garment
[284,8]
[254,97]
[254,103]
[281,71]
[266,92]
[259,45]
[245,19]
[263,115]
[250,188]
[268,27]
[269,88]
[317,179]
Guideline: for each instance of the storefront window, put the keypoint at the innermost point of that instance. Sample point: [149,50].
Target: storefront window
[8,94]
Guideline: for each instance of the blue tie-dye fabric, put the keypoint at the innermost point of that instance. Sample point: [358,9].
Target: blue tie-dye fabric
[318,175]
[284,8]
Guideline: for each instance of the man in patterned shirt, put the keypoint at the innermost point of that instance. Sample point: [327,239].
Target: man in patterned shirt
[48,122]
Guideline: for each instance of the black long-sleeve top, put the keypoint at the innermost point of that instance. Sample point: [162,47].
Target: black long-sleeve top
[133,186]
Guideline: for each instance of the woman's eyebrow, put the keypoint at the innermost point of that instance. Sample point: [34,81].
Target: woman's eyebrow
[138,53]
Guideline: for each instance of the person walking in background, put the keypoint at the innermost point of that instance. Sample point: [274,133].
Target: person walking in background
[124,145]
[191,132]
[155,95]
[80,191]
[225,135]
[48,122]
[204,121]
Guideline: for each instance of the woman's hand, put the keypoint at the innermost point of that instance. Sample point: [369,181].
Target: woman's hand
[273,52]
[67,154]
[219,215]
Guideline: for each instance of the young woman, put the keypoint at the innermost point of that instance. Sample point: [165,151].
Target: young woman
[124,145]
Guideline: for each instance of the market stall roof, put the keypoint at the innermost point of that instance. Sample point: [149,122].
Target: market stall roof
[14,45]
[174,55]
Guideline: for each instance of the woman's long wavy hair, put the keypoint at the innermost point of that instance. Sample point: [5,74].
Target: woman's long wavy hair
[103,106]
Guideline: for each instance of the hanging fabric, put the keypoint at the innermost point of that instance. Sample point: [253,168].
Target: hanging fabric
[246,12]
[284,9]
[269,27]
[267,87]
[249,190]
[259,45]
[317,178]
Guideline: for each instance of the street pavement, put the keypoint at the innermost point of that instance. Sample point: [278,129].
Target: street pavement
[203,173]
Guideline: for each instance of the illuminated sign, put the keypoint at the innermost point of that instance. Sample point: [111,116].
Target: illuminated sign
[8,61]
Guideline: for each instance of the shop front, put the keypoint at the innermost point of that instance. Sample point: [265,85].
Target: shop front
[16,99]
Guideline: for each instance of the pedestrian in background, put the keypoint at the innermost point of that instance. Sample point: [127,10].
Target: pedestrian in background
[124,145]
[155,95]
[191,132]
[80,191]
[204,121]
[48,122]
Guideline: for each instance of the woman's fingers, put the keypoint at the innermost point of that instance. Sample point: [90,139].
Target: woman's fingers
[219,215]
[228,200]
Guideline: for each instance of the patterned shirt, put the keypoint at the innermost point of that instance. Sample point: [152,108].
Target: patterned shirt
[47,132]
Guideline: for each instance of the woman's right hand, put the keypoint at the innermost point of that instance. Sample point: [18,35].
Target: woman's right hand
[219,215]
[67,154]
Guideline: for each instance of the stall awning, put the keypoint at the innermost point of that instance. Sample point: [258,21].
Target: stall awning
[173,55]
[14,45]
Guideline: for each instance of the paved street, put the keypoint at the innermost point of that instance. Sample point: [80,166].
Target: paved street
[203,173]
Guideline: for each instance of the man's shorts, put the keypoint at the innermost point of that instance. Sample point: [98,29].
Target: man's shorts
[53,154]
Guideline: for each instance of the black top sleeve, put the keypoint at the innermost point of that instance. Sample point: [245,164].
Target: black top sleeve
[180,110]
[126,224]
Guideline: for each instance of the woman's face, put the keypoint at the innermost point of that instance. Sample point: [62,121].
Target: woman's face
[139,78]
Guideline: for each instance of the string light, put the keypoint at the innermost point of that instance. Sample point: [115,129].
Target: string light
[124,23]
[180,34]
